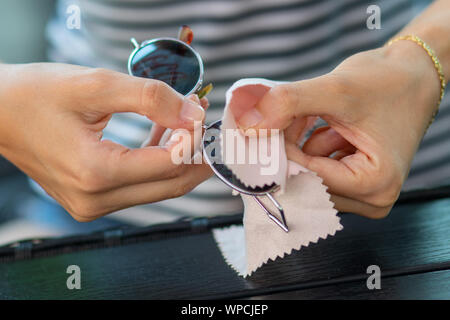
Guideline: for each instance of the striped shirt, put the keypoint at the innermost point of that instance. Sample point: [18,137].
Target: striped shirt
[281,40]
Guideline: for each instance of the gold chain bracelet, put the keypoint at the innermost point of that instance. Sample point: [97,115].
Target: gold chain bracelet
[437,66]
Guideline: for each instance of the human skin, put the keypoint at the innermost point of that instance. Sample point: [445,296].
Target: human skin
[377,105]
[51,122]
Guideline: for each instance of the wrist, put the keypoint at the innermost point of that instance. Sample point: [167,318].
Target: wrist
[435,34]
[421,76]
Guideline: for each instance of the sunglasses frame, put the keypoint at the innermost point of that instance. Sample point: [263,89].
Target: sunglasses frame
[138,47]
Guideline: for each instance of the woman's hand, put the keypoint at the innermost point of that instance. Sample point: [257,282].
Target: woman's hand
[377,105]
[51,122]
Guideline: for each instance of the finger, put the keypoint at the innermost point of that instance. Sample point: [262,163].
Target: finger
[157,131]
[324,143]
[283,103]
[168,132]
[292,133]
[118,166]
[111,92]
[344,204]
[121,166]
[154,191]
[337,175]
[298,129]
[165,137]
[204,102]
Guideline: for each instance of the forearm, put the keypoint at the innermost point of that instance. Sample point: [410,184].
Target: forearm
[433,27]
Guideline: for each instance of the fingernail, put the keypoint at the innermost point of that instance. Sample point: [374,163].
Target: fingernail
[250,118]
[191,111]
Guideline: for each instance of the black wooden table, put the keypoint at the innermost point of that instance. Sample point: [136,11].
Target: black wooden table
[181,260]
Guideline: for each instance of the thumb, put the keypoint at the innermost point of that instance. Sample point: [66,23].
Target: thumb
[117,92]
[283,103]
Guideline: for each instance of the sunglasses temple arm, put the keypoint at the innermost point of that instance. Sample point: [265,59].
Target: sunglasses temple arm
[282,225]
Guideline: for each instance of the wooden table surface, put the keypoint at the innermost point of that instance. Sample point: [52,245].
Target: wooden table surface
[181,261]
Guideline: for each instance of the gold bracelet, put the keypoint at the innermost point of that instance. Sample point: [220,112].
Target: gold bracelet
[437,66]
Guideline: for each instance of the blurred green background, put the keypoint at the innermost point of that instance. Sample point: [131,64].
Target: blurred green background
[22,30]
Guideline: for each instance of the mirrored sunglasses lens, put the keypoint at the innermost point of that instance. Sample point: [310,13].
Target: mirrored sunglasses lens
[168,61]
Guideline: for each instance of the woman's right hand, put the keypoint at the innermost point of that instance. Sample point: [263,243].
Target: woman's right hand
[51,122]
[377,105]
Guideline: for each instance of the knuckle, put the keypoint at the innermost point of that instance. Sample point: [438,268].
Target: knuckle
[180,190]
[95,80]
[182,187]
[84,209]
[176,171]
[388,196]
[80,218]
[383,199]
[382,189]
[285,99]
[152,91]
[101,74]
[283,91]
[365,183]
[90,179]
[90,182]
[173,171]
[379,213]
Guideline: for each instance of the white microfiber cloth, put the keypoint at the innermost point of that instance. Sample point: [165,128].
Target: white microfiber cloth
[309,213]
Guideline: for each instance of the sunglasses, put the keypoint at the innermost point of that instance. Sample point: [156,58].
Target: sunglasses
[212,153]
[176,63]
[170,60]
